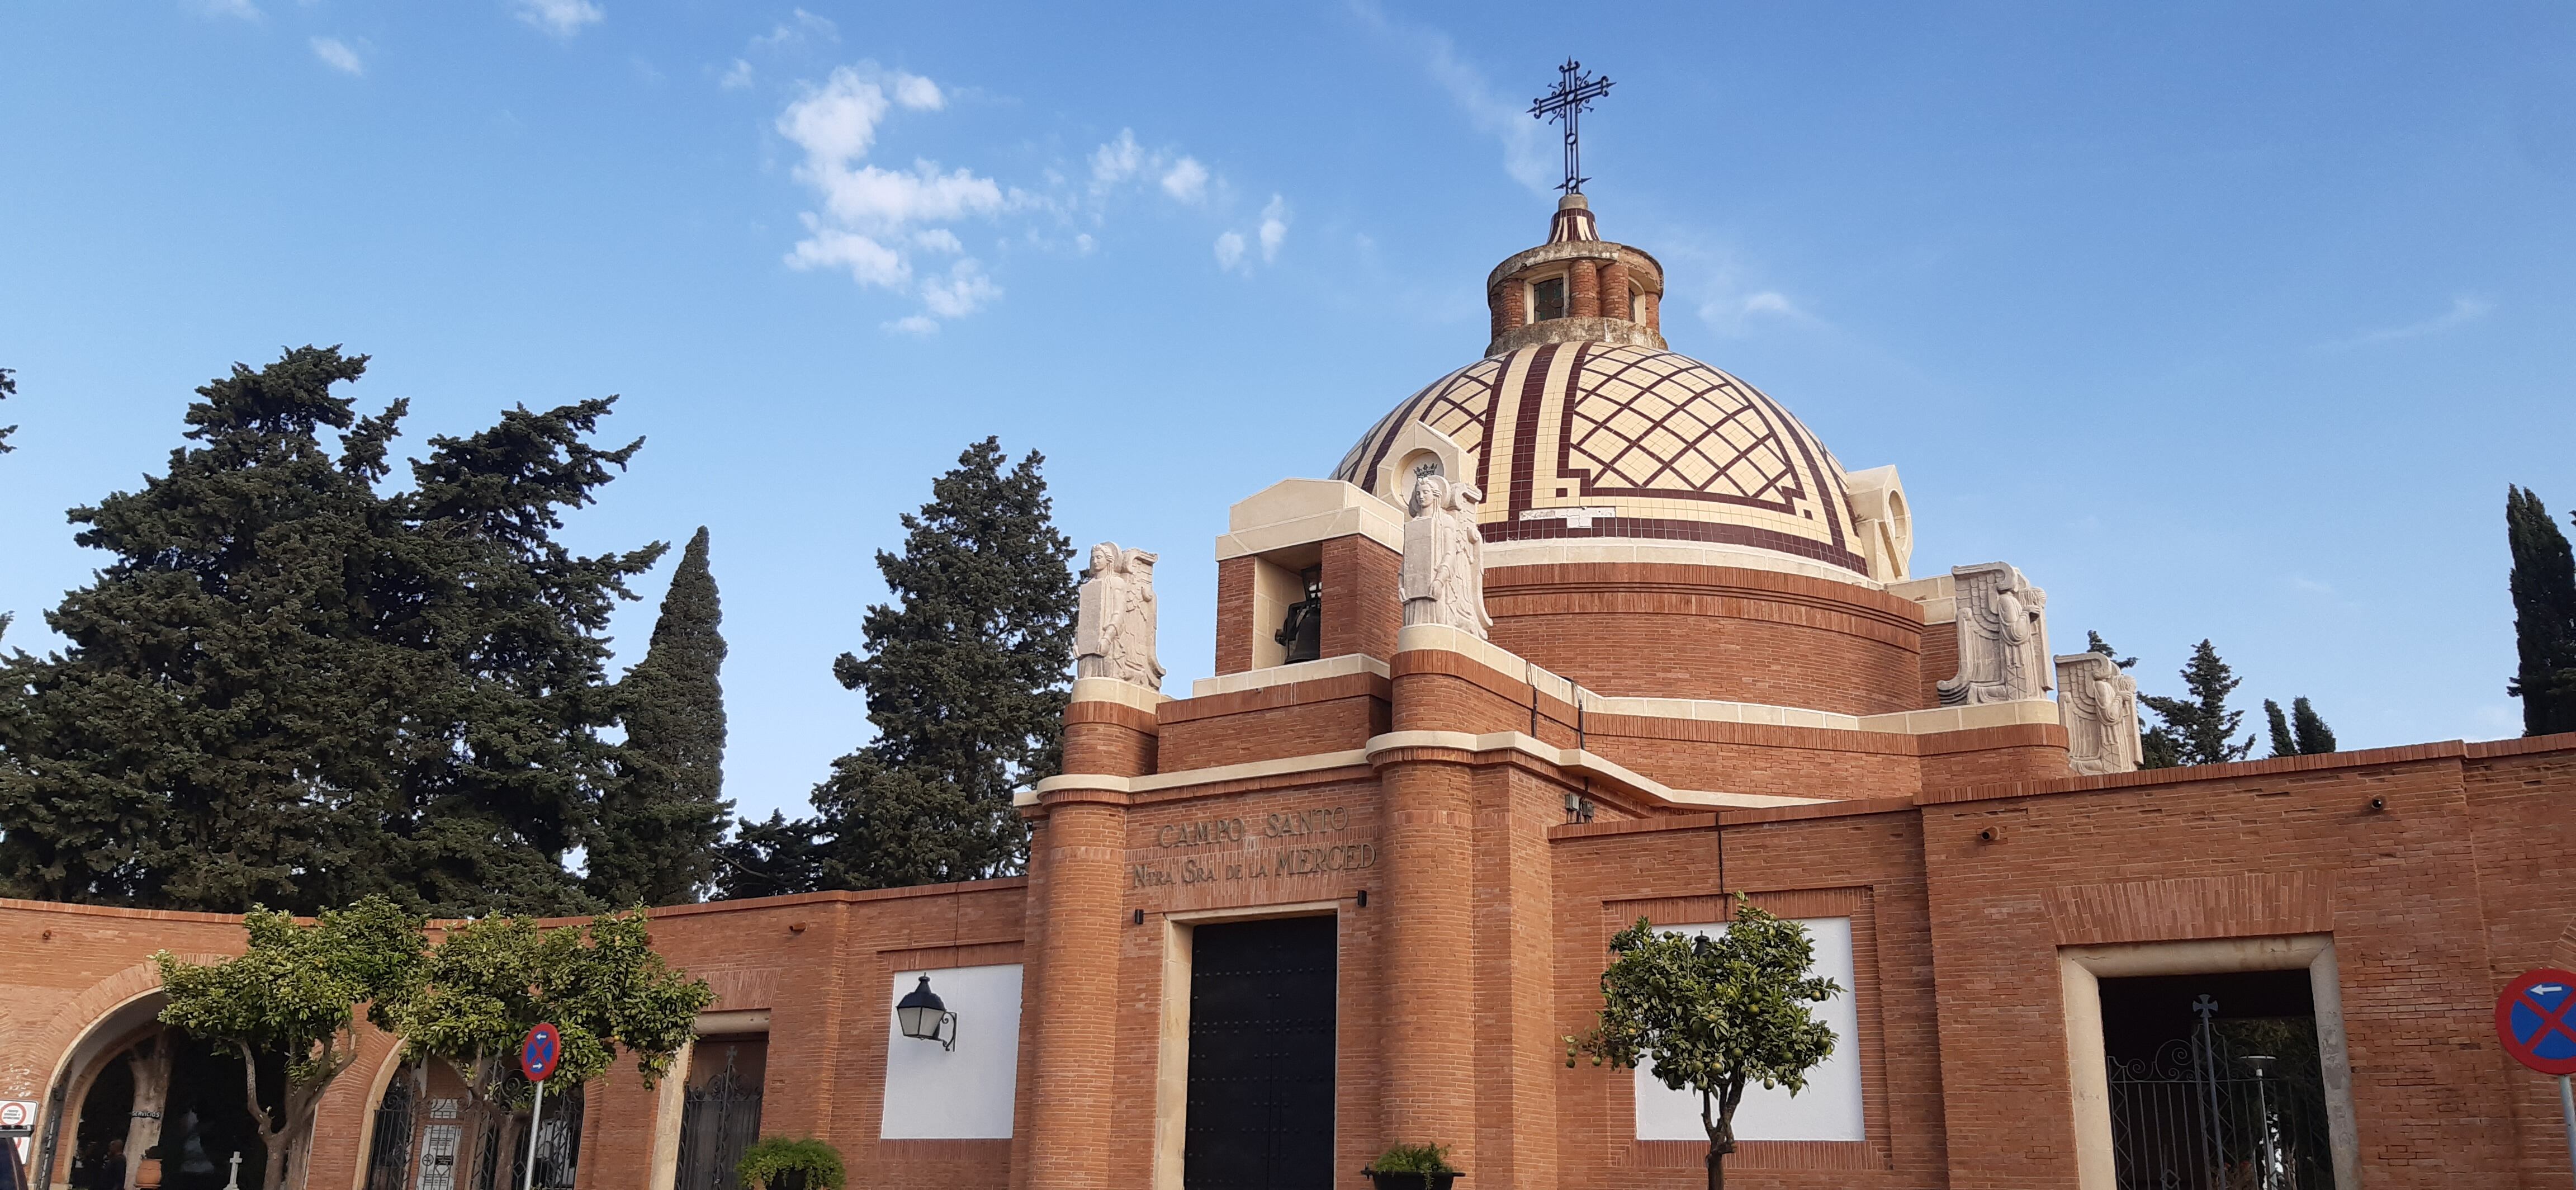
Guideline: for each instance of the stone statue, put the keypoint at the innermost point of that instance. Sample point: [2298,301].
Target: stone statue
[1113,625]
[2003,637]
[1443,580]
[2099,706]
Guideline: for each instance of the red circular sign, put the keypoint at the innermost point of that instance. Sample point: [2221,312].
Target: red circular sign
[2536,1020]
[540,1053]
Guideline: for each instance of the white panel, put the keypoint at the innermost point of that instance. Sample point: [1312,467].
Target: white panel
[1829,1109]
[933,1093]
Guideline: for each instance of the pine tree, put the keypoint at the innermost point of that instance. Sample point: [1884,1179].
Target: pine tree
[2544,616]
[2283,743]
[8,389]
[2201,728]
[2309,729]
[966,679]
[289,688]
[660,821]
[2093,643]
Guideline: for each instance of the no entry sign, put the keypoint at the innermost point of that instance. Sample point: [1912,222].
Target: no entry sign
[540,1053]
[2536,1020]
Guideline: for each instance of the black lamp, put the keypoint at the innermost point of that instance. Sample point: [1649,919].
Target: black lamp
[923,1016]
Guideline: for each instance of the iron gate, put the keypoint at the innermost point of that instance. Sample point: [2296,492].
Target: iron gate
[558,1142]
[389,1155]
[718,1120]
[2211,1112]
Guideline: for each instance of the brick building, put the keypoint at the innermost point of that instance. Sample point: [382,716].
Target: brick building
[1357,887]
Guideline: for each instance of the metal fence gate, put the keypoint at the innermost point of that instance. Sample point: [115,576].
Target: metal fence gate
[389,1154]
[2233,1105]
[718,1120]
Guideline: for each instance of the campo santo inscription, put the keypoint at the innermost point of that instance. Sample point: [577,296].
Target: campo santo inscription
[1256,847]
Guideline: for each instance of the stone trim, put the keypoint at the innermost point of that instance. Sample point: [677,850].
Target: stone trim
[1112,690]
[1282,675]
[1107,783]
[1576,551]
[1295,512]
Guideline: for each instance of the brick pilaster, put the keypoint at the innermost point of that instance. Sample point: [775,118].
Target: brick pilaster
[1071,1111]
[1430,1091]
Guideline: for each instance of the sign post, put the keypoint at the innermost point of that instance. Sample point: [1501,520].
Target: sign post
[539,1053]
[2536,1020]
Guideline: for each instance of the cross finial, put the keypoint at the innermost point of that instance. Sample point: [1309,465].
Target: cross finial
[1574,92]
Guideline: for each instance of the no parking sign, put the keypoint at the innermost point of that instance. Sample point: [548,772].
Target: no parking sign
[2536,1020]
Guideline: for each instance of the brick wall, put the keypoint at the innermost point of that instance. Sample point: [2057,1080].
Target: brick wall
[1667,631]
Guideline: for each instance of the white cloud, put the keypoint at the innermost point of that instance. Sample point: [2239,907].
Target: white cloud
[1525,141]
[962,292]
[1229,250]
[873,217]
[798,30]
[242,10]
[337,55]
[1117,160]
[1187,180]
[1771,301]
[1274,228]
[869,262]
[2464,310]
[915,324]
[1083,243]
[736,77]
[563,18]
[918,93]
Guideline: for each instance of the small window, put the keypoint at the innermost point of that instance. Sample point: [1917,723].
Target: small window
[1547,299]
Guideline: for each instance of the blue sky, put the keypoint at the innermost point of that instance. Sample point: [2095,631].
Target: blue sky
[2219,320]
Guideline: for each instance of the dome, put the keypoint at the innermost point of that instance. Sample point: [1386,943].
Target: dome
[1588,439]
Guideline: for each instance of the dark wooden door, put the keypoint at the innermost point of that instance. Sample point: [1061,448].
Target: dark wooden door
[1261,1056]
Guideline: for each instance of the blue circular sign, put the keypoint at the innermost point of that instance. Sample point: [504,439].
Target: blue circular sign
[540,1053]
[2536,1020]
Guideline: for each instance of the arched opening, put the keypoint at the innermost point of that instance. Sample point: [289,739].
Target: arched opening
[131,1088]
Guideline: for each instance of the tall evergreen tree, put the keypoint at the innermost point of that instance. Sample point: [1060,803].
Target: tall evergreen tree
[660,821]
[289,688]
[2093,643]
[2202,729]
[2309,729]
[966,675]
[2544,616]
[2283,743]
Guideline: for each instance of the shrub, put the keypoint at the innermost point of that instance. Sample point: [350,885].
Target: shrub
[1413,1159]
[782,1163]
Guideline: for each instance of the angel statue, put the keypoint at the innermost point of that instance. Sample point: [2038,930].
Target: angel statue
[1443,580]
[2099,706]
[2003,637]
[1113,624]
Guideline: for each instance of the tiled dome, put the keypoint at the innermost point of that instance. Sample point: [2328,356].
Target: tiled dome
[1586,439]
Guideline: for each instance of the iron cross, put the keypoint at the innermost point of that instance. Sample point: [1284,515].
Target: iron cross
[1573,93]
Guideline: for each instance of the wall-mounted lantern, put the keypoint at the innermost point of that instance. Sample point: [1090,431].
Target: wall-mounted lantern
[924,1017]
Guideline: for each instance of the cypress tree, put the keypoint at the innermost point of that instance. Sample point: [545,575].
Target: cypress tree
[966,676]
[2093,643]
[2309,728]
[2544,616]
[659,822]
[2283,743]
[288,688]
[2201,728]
